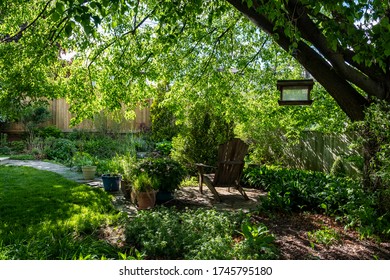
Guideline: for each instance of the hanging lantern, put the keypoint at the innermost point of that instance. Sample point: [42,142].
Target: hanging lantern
[295,92]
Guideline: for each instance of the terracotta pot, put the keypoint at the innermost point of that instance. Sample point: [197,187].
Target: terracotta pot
[126,189]
[146,200]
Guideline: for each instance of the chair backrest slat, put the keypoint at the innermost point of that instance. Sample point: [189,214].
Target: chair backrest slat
[230,162]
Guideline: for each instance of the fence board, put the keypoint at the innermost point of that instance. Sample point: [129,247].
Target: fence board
[316,151]
[61,118]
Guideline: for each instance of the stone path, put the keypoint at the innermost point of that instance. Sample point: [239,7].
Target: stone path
[185,197]
[48,166]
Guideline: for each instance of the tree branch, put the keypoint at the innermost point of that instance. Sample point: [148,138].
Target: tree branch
[345,95]
[217,41]
[9,39]
[121,36]
[53,30]
[311,33]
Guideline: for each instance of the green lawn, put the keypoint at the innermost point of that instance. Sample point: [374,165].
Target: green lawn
[44,216]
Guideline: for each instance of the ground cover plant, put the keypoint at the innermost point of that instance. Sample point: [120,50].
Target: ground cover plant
[342,198]
[169,233]
[45,216]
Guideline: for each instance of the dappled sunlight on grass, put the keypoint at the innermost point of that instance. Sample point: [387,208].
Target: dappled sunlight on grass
[44,216]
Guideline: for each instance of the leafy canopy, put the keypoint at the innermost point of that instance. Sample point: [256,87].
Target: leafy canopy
[122,49]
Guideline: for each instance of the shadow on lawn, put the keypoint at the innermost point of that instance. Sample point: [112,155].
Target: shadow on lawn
[44,216]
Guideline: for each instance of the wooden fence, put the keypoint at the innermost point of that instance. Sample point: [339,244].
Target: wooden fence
[61,118]
[316,151]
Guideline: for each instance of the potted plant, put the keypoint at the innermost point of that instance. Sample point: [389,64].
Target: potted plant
[144,191]
[88,172]
[126,168]
[112,179]
[111,182]
[85,163]
[168,173]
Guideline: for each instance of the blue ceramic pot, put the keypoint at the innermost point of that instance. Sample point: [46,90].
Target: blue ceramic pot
[111,182]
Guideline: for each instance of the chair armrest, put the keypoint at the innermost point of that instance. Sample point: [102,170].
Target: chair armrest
[202,166]
[232,162]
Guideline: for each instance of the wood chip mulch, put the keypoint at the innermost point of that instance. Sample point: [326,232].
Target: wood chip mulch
[291,232]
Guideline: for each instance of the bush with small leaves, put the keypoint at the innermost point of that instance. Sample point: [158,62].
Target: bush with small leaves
[166,233]
[60,149]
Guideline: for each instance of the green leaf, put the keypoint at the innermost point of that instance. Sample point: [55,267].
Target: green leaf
[60,7]
[69,28]
[55,16]
[97,20]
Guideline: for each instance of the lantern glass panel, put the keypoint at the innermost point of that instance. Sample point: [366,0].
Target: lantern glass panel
[292,93]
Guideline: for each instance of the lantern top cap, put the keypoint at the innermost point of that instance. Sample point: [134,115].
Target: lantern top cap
[308,82]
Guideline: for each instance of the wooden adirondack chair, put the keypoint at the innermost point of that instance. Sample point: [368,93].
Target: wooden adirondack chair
[228,172]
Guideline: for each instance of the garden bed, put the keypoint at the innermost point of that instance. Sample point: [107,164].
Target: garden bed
[291,232]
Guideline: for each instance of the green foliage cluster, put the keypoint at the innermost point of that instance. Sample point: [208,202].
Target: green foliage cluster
[374,137]
[80,159]
[32,116]
[198,142]
[60,149]
[292,190]
[164,148]
[325,236]
[338,168]
[168,172]
[162,117]
[107,147]
[50,131]
[18,146]
[257,241]
[4,149]
[166,233]
[299,190]
[145,183]
[103,147]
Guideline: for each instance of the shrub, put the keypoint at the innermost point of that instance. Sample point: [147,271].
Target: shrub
[293,190]
[32,116]
[164,148]
[5,150]
[18,146]
[3,139]
[60,149]
[162,117]
[168,172]
[191,234]
[50,131]
[105,147]
[299,190]
[338,168]
[199,140]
